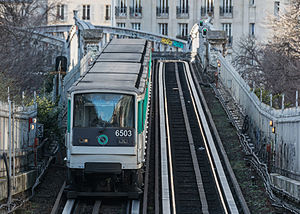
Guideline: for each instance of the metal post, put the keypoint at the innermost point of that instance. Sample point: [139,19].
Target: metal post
[9,146]
[297,99]
[34,95]
[13,143]
[23,97]
[282,104]
[271,100]
[59,78]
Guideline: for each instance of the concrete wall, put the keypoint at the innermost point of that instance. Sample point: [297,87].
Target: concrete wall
[285,142]
[24,181]
[22,138]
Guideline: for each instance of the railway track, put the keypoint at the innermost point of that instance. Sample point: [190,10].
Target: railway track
[96,206]
[183,168]
[192,177]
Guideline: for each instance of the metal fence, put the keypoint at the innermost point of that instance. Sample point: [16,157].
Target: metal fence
[16,136]
[284,139]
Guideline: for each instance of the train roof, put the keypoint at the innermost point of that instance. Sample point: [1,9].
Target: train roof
[120,57]
[128,42]
[118,71]
[125,48]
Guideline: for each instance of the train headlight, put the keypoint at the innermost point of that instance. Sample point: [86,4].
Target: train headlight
[83,140]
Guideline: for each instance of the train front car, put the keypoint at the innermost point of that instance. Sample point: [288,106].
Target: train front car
[107,117]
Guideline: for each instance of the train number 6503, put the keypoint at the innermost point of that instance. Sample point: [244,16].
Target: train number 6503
[123,133]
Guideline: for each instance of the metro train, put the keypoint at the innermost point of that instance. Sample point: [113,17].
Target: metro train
[107,120]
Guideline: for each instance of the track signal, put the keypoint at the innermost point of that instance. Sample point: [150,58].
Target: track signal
[204,32]
[201,23]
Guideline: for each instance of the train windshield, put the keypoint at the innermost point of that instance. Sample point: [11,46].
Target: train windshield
[103,110]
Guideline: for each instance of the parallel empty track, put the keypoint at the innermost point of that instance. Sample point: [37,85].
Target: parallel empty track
[196,190]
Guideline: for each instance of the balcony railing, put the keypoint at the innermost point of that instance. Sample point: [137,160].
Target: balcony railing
[207,11]
[162,12]
[182,12]
[121,12]
[135,12]
[226,11]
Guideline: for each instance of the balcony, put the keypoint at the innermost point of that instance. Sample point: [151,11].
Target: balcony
[135,12]
[226,12]
[182,12]
[121,12]
[205,11]
[162,12]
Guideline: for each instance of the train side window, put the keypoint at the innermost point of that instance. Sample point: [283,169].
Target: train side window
[140,116]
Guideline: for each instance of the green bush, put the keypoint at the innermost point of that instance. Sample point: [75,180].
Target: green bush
[48,113]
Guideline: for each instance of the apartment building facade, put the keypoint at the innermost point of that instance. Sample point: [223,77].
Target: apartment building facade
[175,18]
[97,12]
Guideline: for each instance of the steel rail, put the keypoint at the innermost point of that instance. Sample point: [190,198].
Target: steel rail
[58,199]
[69,206]
[135,207]
[215,162]
[204,205]
[156,182]
[96,207]
[164,161]
[219,141]
[169,150]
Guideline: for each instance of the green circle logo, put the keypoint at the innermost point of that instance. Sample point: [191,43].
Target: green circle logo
[102,139]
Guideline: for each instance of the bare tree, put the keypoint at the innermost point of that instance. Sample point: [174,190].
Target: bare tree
[286,29]
[275,66]
[248,59]
[24,59]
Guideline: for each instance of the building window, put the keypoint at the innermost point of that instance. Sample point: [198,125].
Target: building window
[136,26]
[121,9]
[207,7]
[226,8]
[252,2]
[136,9]
[182,11]
[276,8]
[182,30]
[107,12]
[252,29]
[60,12]
[86,12]
[163,28]
[121,24]
[227,28]
[163,8]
